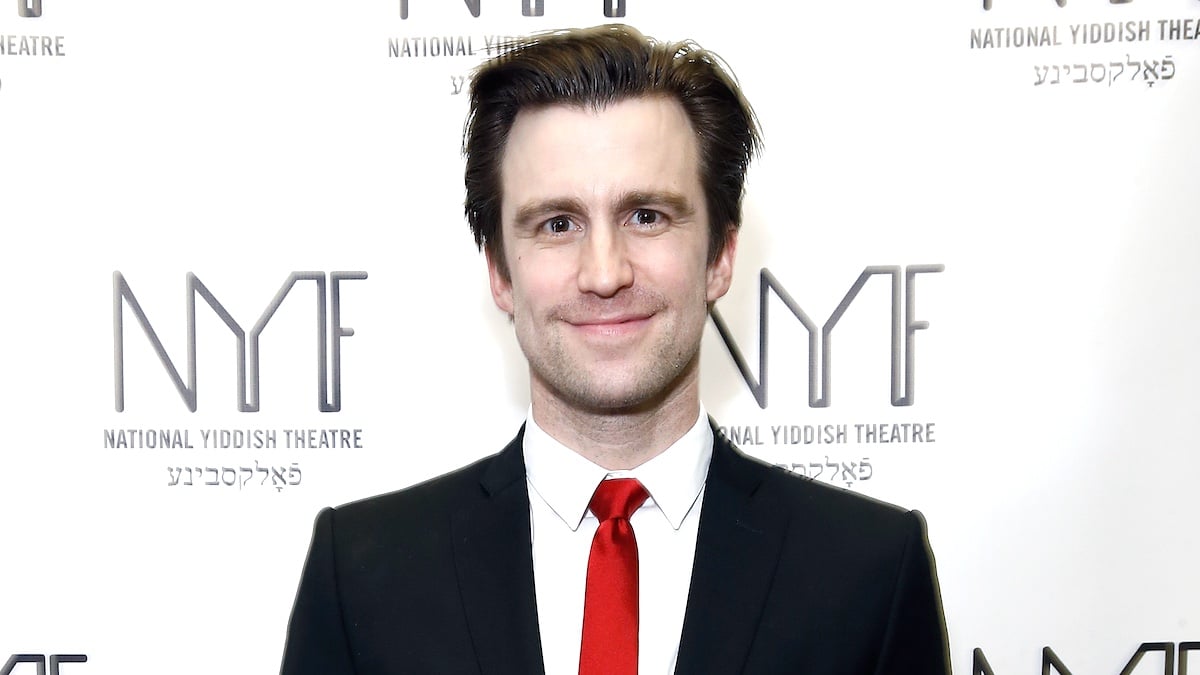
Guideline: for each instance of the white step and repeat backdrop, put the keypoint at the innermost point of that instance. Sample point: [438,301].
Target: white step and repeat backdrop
[241,288]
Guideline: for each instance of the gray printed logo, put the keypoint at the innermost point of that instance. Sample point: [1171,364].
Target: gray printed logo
[612,8]
[903,329]
[39,661]
[329,339]
[1050,660]
[29,8]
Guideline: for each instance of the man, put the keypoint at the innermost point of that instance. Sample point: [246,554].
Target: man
[604,181]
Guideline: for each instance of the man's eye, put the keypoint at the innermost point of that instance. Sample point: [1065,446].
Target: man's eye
[558,225]
[646,217]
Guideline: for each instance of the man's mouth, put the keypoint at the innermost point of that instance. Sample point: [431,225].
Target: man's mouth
[613,324]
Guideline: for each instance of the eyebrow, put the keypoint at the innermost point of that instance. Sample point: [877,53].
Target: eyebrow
[673,201]
[537,209]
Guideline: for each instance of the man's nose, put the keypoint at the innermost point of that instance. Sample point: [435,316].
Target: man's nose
[604,266]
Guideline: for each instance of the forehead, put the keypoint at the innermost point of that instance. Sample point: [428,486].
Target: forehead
[644,143]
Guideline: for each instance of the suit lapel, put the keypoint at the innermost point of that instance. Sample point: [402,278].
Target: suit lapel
[492,555]
[737,551]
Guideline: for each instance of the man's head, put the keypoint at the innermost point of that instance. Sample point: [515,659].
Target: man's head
[604,180]
[597,67]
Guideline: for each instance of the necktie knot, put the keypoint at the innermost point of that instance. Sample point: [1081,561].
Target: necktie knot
[617,498]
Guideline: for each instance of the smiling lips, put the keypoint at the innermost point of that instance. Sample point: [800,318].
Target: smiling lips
[619,324]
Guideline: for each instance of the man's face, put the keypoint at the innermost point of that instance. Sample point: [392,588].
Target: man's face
[605,231]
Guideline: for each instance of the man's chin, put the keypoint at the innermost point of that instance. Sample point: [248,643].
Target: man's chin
[609,395]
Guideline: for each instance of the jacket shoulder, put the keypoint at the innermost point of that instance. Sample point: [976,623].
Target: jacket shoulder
[817,504]
[415,510]
[447,488]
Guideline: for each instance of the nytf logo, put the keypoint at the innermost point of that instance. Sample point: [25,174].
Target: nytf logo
[612,8]
[987,4]
[330,331]
[904,326]
[29,8]
[1051,663]
[38,663]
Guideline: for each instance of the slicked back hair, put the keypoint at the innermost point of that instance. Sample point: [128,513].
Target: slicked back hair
[596,67]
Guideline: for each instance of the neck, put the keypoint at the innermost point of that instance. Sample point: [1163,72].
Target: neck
[624,438]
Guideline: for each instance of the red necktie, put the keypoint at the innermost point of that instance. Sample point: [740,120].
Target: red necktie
[610,604]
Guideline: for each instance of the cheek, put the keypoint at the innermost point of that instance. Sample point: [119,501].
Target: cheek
[535,288]
[687,275]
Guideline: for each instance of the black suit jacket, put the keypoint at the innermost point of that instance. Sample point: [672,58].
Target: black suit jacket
[790,576]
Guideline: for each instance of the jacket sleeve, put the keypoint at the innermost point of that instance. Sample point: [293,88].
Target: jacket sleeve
[316,638]
[915,641]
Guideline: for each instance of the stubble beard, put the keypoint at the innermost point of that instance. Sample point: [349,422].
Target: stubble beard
[640,384]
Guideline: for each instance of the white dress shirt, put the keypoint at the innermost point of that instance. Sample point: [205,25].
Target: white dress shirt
[561,483]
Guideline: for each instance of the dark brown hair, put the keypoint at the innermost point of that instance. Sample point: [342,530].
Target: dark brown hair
[597,67]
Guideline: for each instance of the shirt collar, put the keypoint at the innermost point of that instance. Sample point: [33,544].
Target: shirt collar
[566,480]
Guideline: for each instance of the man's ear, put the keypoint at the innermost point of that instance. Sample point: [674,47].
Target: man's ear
[720,271]
[500,282]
